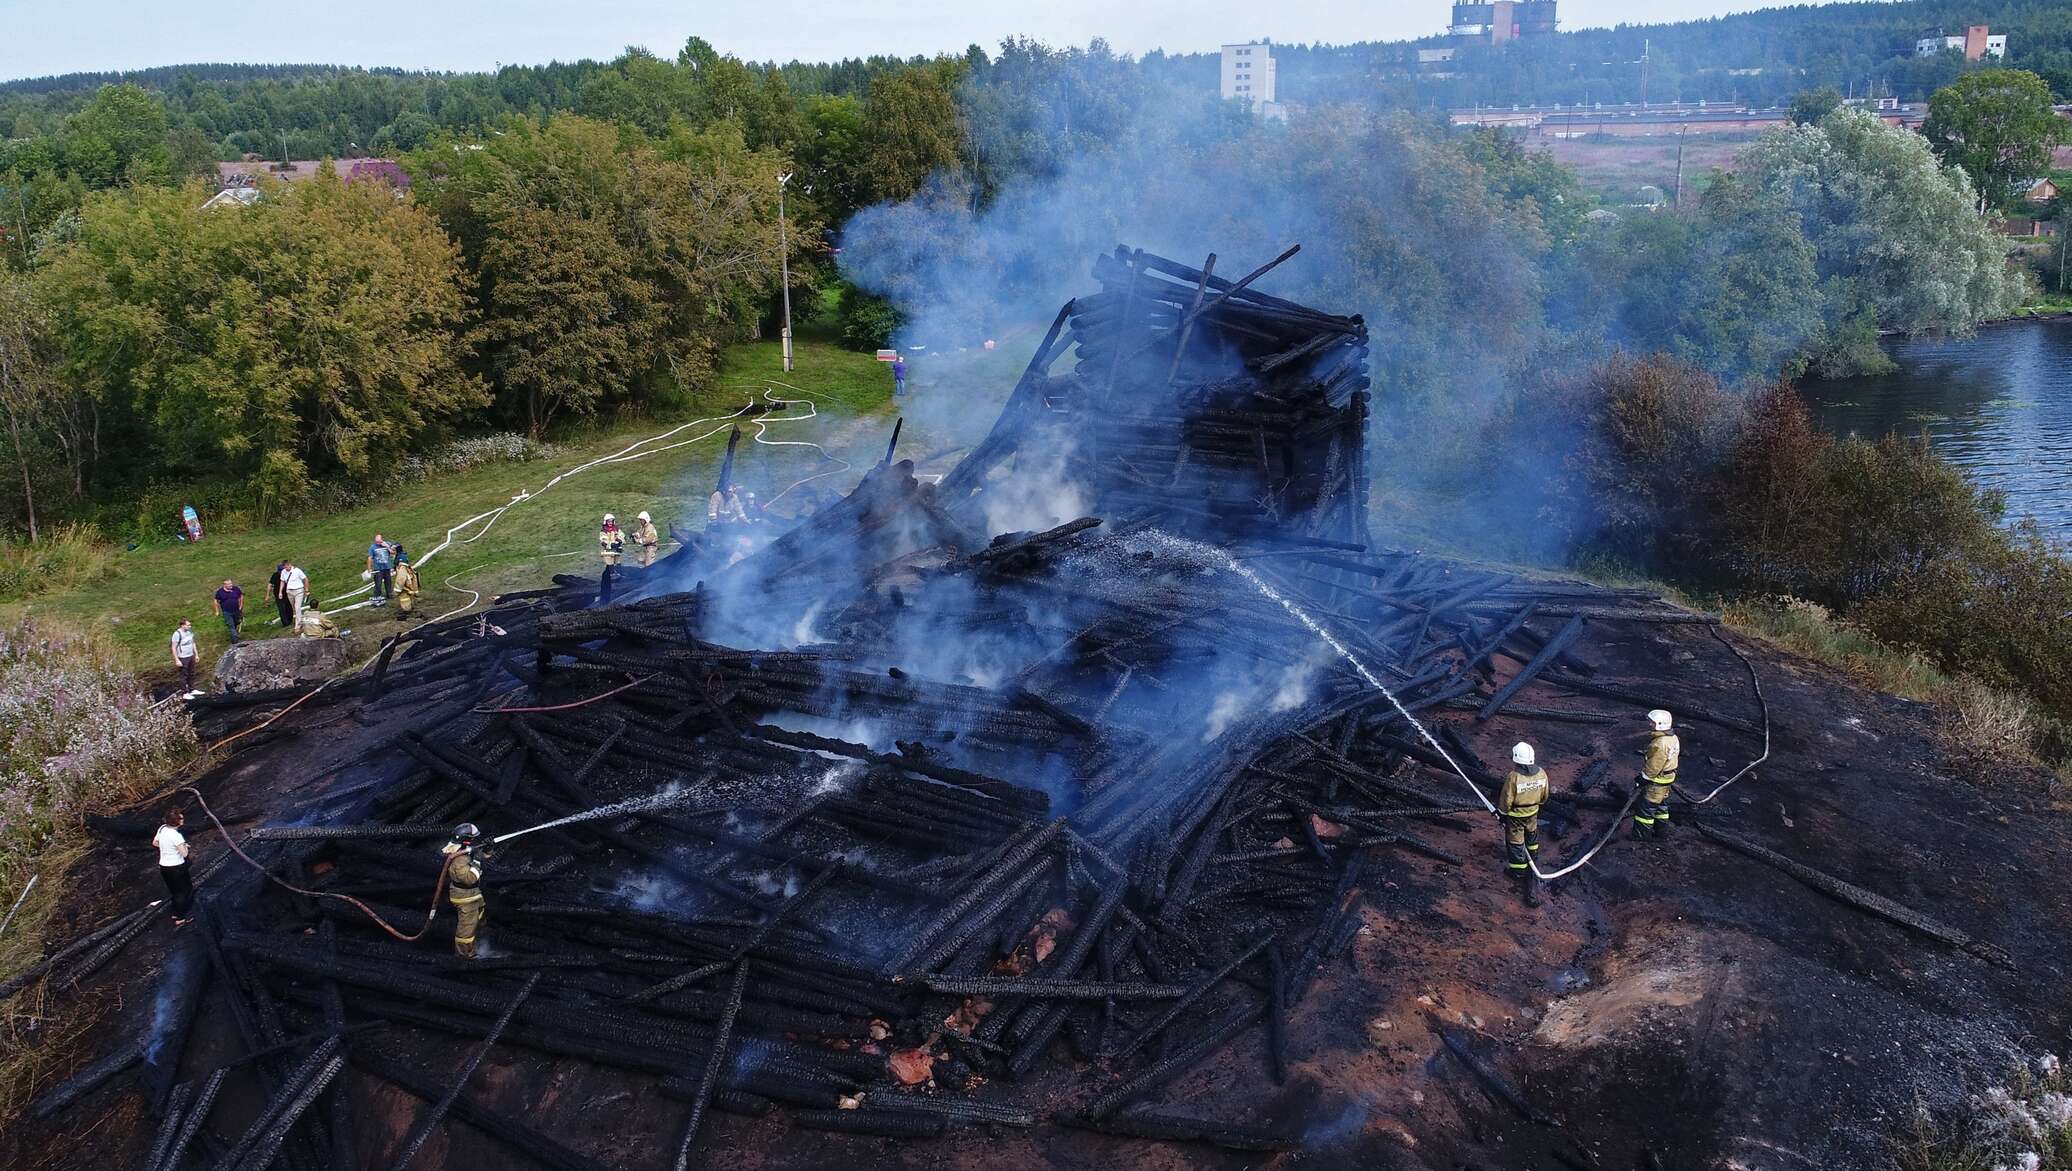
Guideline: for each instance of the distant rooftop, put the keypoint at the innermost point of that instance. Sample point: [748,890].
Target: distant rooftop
[351,170]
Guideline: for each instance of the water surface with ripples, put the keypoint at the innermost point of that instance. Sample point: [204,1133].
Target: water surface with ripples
[1999,404]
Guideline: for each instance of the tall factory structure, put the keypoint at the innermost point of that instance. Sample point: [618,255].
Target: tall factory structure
[1501,21]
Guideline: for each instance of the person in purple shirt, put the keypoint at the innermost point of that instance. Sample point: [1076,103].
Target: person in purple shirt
[230,606]
[898,377]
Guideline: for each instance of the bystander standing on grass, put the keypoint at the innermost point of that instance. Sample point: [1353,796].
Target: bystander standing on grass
[183,654]
[381,566]
[278,594]
[229,604]
[295,586]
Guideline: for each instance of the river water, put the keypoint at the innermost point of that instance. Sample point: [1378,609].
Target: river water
[1999,404]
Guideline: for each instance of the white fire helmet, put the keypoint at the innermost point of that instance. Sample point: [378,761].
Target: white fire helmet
[1521,754]
[1659,720]
[644,516]
[609,517]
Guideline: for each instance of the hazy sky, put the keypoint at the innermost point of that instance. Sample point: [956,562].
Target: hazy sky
[39,37]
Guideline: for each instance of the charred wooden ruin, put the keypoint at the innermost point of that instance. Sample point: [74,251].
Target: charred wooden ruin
[900,826]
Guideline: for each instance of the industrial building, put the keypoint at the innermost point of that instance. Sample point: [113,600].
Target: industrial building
[1978,42]
[1504,20]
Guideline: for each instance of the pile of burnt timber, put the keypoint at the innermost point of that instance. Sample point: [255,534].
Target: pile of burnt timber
[1195,403]
[875,825]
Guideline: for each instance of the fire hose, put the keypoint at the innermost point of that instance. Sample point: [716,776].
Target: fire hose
[438,886]
[633,451]
[1375,682]
[1761,703]
[1631,796]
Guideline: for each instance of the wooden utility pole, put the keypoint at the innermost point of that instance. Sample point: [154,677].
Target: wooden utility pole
[784,264]
[1680,136]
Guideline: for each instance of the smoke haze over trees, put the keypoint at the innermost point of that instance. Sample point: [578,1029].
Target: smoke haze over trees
[583,238]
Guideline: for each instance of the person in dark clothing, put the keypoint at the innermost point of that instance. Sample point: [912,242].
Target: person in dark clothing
[172,865]
[230,606]
[279,594]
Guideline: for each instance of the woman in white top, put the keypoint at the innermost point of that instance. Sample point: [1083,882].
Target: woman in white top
[172,864]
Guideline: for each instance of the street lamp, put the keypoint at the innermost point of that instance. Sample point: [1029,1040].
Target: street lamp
[784,265]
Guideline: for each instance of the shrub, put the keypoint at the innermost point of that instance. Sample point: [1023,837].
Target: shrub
[1621,454]
[1814,631]
[1987,729]
[2023,1125]
[1650,463]
[66,556]
[865,320]
[1995,609]
[76,733]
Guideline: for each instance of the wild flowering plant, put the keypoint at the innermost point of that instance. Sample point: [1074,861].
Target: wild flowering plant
[76,733]
[2024,1124]
[503,447]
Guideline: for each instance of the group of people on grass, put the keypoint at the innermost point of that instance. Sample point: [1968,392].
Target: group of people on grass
[388,571]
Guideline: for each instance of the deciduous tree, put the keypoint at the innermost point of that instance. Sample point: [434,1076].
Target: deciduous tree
[1998,125]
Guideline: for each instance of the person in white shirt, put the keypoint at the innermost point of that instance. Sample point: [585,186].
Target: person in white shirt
[183,655]
[295,584]
[172,864]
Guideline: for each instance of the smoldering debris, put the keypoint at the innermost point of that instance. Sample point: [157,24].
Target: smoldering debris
[1138,829]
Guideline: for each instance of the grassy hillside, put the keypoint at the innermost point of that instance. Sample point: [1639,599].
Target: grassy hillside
[146,591]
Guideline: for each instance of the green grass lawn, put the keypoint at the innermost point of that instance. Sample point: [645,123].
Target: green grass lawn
[147,590]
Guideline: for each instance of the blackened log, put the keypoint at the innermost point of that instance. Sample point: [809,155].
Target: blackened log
[284,1100]
[197,1114]
[1498,1086]
[1863,900]
[1010,866]
[1540,662]
[1038,1038]
[315,833]
[431,1118]
[681,982]
[1043,989]
[1687,708]
[1200,989]
[35,971]
[534,1145]
[714,1062]
[984,916]
[1165,1128]
[89,1079]
[169,1125]
[268,1147]
[1226,1029]
[726,467]
[1276,1015]
[883,1123]
[181,986]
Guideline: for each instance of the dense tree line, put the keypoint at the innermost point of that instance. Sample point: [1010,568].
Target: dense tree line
[589,253]
[1764,57]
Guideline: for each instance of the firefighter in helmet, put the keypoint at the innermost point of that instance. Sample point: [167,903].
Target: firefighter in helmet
[1518,807]
[464,887]
[1657,777]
